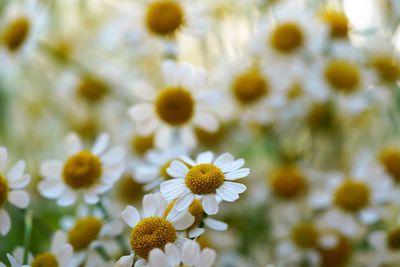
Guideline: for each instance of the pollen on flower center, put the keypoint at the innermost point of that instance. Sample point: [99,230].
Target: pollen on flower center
[249,87]
[164,17]
[92,89]
[204,179]
[342,75]
[305,235]
[16,33]
[387,68]
[287,37]
[82,170]
[288,182]
[338,23]
[175,105]
[3,190]
[46,259]
[84,232]
[150,233]
[338,255]
[393,239]
[390,159]
[352,195]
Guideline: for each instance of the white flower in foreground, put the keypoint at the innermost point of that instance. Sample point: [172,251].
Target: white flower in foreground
[153,229]
[205,178]
[180,105]
[11,183]
[90,173]
[189,255]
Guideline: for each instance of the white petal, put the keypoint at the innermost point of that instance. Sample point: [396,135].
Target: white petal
[215,224]
[223,159]
[184,201]
[149,205]
[188,137]
[157,258]
[210,204]
[172,254]
[183,221]
[145,174]
[172,189]
[227,194]
[51,168]
[169,72]
[13,261]
[51,188]
[91,197]
[20,182]
[196,232]
[231,166]
[188,160]
[113,156]
[131,216]
[163,137]
[64,254]
[16,171]
[125,261]
[206,121]
[177,169]
[238,188]
[141,112]
[207,258]
[59,239]
[101,144]
[5,222]
[190,252]
[144,91]
[140,263]
[67,198]
[205,157]
[234,175]
[3,159]
[73,143]
[19,198]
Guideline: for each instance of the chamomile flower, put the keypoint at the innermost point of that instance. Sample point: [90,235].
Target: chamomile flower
[152,230]
[189,255]
[11,184]
[177,107]
[205,178]
[84,172]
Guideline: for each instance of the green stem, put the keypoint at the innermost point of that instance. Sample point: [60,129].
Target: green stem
[27,234]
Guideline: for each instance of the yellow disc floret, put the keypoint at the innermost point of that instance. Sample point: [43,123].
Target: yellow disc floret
[387,68]
[342,75]
[46,259]
[393,239]
[129,190]
[305,235]
[204,179]
[15,33]
[338,23]
[142,144]
[3,190]
[249,87]
[92,89]
[150,233]
[338,255]
[82,170]
[84,232]
[287,37]
[288,182]
[175,105]
[352,195]
[390,159]
[164,17]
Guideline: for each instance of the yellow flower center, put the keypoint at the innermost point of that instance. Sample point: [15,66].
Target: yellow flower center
[342,75]
[287,37]
[387,68]
[204,179]
[338,23]
[393,239]
[84,232]
[46,259]
[295,90]
[92,89]
[209,138]
[82,170]
[196,209]
[3,190]
[141,144]
[337,255]
[175,105]
[321,115]
[352,195]
[129,190]
[164,17]
[305,235]
[390,159]
[163,170]
[288,182]
[16,33]
[150,233]
[249,87]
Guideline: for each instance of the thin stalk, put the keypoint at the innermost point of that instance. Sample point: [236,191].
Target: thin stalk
[27,234]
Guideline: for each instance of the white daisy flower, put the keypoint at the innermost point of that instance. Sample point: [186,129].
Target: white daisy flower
[189,255]
[85,172]
[153,171]
[163,229]
[11,184]
[205,178]
[180,105]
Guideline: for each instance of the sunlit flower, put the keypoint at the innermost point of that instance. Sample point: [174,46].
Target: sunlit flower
[87,172]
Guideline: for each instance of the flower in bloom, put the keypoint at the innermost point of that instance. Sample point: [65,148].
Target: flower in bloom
[89,172]
[11,183]
[189,255]
[152,229]
[205,178]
